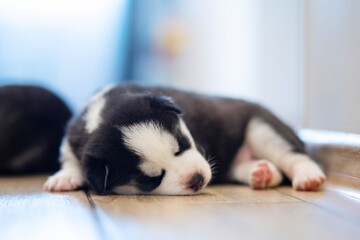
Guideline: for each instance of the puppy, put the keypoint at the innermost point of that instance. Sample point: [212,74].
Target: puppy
[32,125]
[154,140]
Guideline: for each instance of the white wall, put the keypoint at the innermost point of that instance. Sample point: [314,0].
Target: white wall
[332,65]
[299,58]
[248,49]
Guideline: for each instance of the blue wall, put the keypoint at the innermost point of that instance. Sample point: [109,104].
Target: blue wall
[72,48]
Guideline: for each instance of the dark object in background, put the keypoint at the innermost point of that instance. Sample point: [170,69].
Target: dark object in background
[32,124]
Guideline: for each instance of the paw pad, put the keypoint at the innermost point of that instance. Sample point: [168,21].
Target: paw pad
[261,175]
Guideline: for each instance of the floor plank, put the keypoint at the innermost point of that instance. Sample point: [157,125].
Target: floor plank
[342,179]
[337,200]
[227,212]
[26,212]
[235,221]
[220,212]
[159,206]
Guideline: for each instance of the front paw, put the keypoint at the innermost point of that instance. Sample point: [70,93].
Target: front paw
[308,176]
[64,181]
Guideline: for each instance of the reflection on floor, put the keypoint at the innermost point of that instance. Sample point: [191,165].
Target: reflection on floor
[220,212]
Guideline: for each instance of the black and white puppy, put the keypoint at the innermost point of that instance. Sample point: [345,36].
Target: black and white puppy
[32,124]
[154,140]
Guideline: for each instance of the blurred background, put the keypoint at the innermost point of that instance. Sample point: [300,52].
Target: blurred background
[299,58]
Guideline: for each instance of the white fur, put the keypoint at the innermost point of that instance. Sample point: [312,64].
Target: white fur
[157,149]
[155,145]
[70,176]
[266,143]
[244,172]
[94,108]
[245,168]
[304,171]
[185,131]
[127,189]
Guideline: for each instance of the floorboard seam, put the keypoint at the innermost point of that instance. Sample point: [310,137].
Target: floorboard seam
[342,174]
[101,230]
[327,210]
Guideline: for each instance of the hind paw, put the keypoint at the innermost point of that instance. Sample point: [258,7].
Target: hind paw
[264,174]
[308,176]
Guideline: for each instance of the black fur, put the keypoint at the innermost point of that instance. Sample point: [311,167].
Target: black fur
[32,124]
[217,125]
[105,146]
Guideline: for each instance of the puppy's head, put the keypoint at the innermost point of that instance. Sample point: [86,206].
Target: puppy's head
[144,147]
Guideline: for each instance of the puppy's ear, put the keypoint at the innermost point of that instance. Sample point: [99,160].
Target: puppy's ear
[97,173]
[165,103]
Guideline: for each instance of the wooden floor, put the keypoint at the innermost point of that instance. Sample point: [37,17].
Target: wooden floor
[220,212]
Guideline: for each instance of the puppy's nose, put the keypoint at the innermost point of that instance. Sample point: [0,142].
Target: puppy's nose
[196,182]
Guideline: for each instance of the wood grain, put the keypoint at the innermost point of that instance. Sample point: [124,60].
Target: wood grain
[173,206]
[26,212]
[220,212]
[230,212]
[23,185]
[343,180]
[344,202]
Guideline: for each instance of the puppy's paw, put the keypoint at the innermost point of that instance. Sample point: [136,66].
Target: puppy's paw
[264,174]
[64,181]
[308,176]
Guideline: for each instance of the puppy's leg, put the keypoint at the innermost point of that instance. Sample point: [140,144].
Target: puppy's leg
[259,174]
[265,142]
[70,177]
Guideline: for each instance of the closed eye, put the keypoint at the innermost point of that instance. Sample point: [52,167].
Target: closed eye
[147,184]
[184,144]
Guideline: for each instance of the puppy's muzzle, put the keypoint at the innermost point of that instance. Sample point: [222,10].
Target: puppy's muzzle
[196,182]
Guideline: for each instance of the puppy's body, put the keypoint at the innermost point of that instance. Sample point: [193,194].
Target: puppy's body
[32,124]
[218,125]
[132,139]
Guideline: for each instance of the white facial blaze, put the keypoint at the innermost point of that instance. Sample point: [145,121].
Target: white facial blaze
[186,131]
[152,143]
[157,148]
[94,108]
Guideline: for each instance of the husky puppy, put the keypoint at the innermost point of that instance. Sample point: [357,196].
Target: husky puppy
[155,140]
[32,125]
